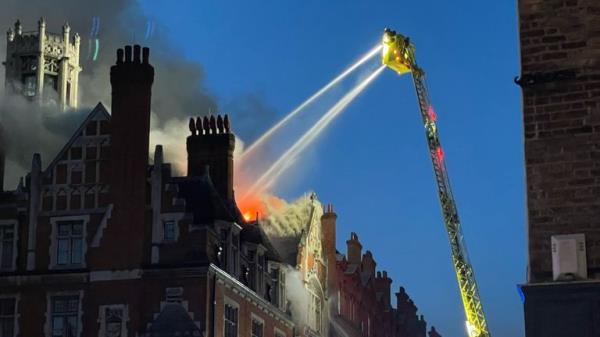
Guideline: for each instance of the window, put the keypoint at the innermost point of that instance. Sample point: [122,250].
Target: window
[69,238]
[170,231]
[235,254]
[65,312]
[314,311]
[7,317]
[257,328]
[231,321]
[113,320]
[282,295]
[7,247]
[279,333]
[29,85]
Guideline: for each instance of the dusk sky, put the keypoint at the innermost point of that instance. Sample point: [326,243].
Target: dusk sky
[372,161]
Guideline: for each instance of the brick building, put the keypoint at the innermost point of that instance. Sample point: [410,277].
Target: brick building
[101,243]
[560,80]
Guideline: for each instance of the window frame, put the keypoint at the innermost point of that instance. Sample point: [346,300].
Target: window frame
[16,314]
[15,239]
[48,327]
[258,319]
[54,241]
[233,304]
[176,218]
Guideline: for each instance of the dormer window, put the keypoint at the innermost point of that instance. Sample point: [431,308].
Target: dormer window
[68,245]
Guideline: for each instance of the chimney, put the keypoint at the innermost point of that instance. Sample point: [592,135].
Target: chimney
[368,264]
[328,223]
[354,249]
[434,333]
[382,285]
[131,79]
[211,143]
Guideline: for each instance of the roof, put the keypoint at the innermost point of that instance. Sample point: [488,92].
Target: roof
[173,321]
[99,112]
[204,202]
[255,234]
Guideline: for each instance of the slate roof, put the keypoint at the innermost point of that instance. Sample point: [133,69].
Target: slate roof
[204,202]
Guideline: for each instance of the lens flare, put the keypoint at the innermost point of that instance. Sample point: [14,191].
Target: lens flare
[268,178]
[311,99]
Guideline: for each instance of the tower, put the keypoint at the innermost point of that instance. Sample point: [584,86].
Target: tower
[560,77]
[43,66]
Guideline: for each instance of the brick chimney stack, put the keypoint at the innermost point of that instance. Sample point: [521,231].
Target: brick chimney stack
[211,144]
[328,223]
[383,284]
[354,249]
[368,264]
[131,79]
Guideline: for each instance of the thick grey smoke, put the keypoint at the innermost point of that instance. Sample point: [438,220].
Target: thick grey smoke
[178,91]
[286,222]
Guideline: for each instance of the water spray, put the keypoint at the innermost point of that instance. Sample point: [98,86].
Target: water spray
[268,178]
[308,101]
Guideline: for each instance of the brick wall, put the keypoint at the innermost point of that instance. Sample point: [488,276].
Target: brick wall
[560,76]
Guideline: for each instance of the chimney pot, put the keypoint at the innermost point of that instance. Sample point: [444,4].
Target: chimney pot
[127,54]
[120,56]
[146,55]
[136,53]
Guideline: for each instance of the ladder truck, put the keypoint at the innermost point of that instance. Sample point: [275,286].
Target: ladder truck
[398,53]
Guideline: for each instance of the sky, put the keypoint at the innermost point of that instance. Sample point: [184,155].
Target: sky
[372,161]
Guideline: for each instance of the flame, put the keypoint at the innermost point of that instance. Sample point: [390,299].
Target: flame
[251,206]
[255,206]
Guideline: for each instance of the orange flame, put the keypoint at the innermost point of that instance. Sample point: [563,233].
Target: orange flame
[255,206]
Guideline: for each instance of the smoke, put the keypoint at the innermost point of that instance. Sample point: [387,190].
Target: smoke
[28,128]
[297,295]
[178,91]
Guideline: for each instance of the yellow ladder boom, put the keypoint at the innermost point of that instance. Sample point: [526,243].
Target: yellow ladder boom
[399,55]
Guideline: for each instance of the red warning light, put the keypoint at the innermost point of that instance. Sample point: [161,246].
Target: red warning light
[439,154]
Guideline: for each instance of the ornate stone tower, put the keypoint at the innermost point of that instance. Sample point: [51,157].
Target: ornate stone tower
[42,65]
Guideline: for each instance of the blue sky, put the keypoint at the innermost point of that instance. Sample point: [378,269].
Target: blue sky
[372,162]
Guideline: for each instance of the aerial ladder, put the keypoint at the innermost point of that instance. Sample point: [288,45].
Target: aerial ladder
[398,53]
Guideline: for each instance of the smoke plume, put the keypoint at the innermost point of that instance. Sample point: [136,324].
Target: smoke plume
[178,91]
[297,295]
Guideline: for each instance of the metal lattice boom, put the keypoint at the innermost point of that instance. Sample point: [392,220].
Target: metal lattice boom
[398,54]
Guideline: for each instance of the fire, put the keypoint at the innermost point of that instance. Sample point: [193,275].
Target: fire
[255,206]
[251,206]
